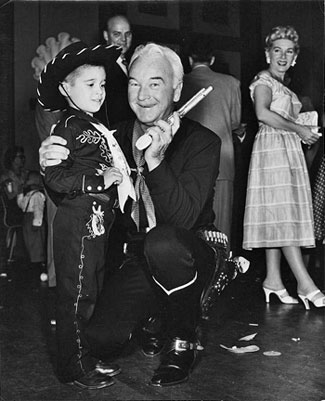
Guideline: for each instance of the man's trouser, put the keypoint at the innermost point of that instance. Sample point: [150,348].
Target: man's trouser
[173,272]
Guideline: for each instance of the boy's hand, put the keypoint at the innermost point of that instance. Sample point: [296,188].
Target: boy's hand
[112,175]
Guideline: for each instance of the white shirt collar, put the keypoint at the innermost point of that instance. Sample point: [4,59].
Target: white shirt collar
[122,65]
[200,66]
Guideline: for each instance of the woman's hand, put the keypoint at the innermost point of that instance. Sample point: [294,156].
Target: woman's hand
[308,134]
[112,175]
[162,134]
[52,151]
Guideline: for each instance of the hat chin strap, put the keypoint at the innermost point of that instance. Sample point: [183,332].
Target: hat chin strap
[68,96]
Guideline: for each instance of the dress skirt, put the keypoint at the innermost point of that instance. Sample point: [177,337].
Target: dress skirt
[278,208]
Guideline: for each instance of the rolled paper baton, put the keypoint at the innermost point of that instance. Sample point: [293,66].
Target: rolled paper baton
[145,140]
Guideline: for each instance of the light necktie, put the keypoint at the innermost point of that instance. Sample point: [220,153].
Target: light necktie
[125,188]
[140,186]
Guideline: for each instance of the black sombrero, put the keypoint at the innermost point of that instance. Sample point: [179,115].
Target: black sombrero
[70,58]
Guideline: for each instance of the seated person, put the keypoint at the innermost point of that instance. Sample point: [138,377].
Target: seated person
[13,181]
[33,205]
[15,173]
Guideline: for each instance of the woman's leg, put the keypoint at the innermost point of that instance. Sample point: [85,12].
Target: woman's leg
[273,279]
[294,258]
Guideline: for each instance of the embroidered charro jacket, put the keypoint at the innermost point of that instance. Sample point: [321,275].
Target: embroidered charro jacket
[89,157]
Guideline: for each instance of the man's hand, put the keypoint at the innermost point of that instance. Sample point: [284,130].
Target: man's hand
[162,134]
[52,151]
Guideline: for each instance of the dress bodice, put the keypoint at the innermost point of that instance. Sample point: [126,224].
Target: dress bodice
[284,101]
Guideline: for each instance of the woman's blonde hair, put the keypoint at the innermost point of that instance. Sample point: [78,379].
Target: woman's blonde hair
[282,32]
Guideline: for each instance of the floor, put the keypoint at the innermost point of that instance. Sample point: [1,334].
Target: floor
[27,341]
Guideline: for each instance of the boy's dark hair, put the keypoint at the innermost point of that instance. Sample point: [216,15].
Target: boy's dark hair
[71,77]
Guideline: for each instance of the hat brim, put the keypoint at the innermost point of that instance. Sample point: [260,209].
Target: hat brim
[70,58]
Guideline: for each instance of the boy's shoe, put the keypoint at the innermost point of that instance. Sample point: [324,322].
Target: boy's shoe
[93,380]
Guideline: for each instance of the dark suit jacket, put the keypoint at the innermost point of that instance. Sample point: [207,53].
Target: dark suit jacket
[220,111]
[116,107]
[181,187]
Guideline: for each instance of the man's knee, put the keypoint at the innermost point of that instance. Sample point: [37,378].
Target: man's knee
[168,241]
[159,240]
[170,253]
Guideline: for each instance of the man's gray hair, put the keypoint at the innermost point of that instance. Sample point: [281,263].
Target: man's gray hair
[173,58]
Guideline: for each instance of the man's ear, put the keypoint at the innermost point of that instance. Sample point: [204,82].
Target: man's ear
[177,92]
[105,34]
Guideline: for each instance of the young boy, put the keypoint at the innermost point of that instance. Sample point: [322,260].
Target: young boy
[85,188]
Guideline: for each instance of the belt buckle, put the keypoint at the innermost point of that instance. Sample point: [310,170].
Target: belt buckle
[181,345]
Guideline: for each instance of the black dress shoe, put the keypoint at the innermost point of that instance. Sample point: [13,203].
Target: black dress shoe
[93,380]
[152,338]
[176,364]
[109,369]
[153,346]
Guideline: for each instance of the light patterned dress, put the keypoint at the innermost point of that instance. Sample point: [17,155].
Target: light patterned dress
[278,209]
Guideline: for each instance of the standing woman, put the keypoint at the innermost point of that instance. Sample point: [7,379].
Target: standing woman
[278,212]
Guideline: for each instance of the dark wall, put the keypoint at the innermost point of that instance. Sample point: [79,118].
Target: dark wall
[236,29]
[307,77]
[6,80]
[34,22]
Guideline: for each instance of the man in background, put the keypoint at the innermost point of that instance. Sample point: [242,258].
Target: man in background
[117,107]
[220,111]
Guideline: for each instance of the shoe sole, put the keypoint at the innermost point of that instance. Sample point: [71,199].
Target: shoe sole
[179,381]
[85,387]
[169,384]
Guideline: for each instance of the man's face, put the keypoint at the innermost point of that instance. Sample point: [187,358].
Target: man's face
[151,93]
[119,33]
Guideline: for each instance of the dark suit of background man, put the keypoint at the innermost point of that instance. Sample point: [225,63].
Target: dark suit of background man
[117,106]
[220,111]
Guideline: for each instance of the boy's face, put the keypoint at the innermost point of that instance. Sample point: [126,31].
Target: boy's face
[86,89]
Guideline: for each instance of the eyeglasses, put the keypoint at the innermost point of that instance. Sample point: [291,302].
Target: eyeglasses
[23,157]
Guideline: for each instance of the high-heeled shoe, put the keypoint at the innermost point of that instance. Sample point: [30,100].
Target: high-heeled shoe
[283,296]
[318,302]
